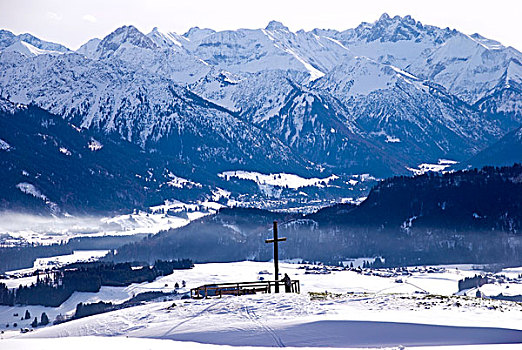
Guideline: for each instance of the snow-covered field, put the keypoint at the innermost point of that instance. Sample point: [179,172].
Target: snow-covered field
[339,309]
[441,165]
[279,180]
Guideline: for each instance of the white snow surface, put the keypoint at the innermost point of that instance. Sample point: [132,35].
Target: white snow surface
[180,182]
[4,146]
[94,145]
[441,165]
[370,309]
[29,50]
[65,151]
[30,189]
[279,180]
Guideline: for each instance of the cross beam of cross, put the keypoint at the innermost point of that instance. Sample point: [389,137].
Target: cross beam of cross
[275,240]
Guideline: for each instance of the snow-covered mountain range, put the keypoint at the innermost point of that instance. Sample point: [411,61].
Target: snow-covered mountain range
[377,99]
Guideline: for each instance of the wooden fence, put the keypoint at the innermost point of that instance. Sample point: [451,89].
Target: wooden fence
[242,288]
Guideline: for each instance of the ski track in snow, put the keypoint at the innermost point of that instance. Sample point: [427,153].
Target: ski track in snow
[251,315]
[191,318]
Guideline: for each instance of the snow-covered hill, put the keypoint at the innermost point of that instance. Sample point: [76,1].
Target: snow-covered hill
[415,306]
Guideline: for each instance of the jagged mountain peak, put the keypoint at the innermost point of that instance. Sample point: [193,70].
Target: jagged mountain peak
[124,35]
[276,25]
[470,67]
[397,28]
[6,38]
[386,19]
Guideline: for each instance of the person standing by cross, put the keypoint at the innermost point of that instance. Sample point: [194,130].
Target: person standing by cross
[275,240]
[288,283]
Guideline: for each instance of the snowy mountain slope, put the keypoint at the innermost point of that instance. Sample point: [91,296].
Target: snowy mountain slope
[274,47]
[42,44]
[7,39]
[45,159]
[443,127]
[177,66]
[28,50]
[48,156]
[145,109]
[397,41]
[314,126]
[357,76]
[380,98]
[248,51]
[51,166]
[254,96]
[89,48]
[319,127]
[407,41]
[28,45]
[168,40]
[468,66]
[155,53]
[407,116]
[323,53]
[504,98]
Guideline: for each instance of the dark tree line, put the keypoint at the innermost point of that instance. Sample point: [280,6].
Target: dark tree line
[84,310]
[56,287]
[472,282]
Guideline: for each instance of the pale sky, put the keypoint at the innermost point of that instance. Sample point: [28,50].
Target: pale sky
[73,22]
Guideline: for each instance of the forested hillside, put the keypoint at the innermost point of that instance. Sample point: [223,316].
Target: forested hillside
[466,216]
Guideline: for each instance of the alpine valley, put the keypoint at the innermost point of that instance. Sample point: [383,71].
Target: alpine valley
[151,182]
[265,118]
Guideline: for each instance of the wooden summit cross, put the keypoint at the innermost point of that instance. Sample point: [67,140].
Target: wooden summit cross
[275,240]
[247,288]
